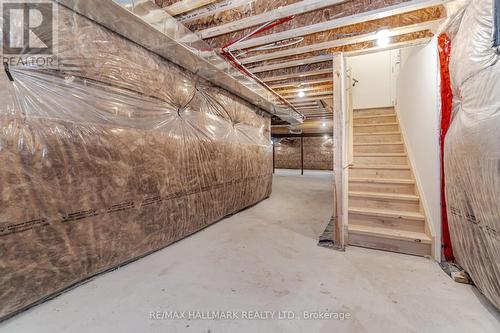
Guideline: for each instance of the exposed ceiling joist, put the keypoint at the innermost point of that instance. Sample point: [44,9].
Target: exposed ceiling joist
[317,98]
[298,75]
[211,10]
[310,94]
[290,10]
[342,42]
[303,82]
[319,113]
[306,104]
[297,89]
[321,116]
[340,22]
[328,57]
[399,45]
[293,63]
[315,110]
[185,6]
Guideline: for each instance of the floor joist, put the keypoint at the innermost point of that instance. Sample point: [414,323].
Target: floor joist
[342,42]
[290,10]
[298,75]
[340,22]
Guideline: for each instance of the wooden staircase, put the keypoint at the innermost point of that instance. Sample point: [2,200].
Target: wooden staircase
[384,205]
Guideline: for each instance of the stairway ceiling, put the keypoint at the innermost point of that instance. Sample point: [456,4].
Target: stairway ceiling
[317,30]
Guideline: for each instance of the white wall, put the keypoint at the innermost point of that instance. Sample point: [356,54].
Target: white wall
[376,75]
[418,107]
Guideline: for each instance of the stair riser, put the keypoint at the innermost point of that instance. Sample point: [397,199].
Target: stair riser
[397,148]
[376,129]
[393,245]
[380,173]
[382,188]
[377,120]
[389,223]
[377,138]
[380,160]
[389,204]
[373,112]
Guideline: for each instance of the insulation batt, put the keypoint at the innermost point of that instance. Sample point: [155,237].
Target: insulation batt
[472,147]
[116,154]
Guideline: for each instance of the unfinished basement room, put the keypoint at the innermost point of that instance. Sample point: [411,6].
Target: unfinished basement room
[220,166]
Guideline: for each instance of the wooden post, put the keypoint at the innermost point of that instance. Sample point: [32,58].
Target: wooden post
[340,152]
[302,155]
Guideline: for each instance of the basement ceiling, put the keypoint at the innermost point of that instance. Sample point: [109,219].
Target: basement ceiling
[288,44]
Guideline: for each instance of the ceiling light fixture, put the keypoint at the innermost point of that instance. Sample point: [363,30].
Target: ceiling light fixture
[323,124]
[383,37]
[301,93]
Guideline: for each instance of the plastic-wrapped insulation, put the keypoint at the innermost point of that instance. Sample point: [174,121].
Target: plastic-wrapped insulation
[472,147]
[116,154]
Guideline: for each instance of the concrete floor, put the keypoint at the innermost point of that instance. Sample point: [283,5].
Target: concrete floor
[266,259]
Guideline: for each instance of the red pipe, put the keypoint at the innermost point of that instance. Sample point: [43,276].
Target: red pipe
[261,29]
[229,56]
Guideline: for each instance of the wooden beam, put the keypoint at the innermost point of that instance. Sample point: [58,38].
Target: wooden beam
[317,98]
[296,90]
[290,10]
[297,75]
[314,94]
[309,94]
[293,63]
[211,10]
[305,82]
[310,108]
[340,22]
[342,42]
[186,6]
[399,45]
[306,103]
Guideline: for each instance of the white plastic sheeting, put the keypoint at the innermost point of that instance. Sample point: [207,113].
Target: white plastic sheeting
[472,147]
[116,154]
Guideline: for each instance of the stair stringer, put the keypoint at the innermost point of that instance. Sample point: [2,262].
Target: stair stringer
[429,229]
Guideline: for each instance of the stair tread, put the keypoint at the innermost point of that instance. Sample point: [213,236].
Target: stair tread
[382,180]
[375,109]
[380,195]
[390,233]
[376,133]
[379,143]
[388,167]
[374,124]
[387,213]
[375,116]
[379,154]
